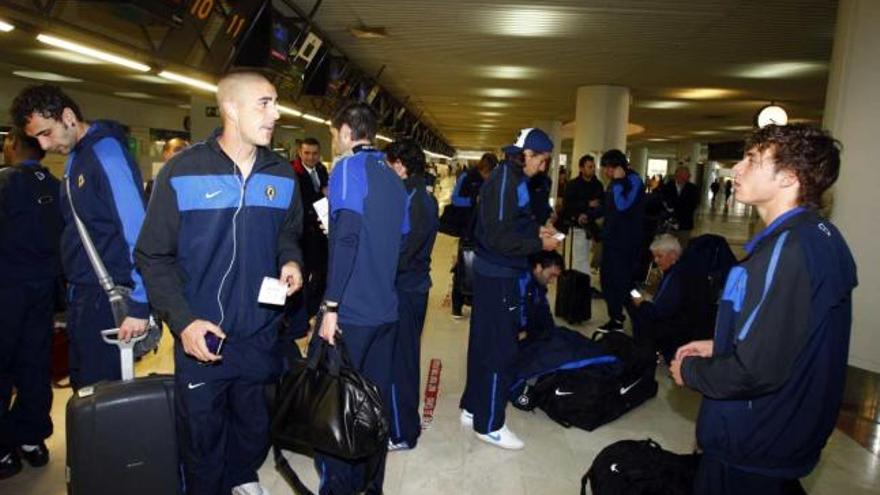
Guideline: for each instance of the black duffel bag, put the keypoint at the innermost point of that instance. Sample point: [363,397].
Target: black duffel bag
[324,404]
[640,467]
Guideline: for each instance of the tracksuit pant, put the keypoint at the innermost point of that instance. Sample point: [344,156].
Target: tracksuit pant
[717,478]
[91,359]
[405,421]
[371,349]
[492,349]
[616,277]
[26,311]
[222,414]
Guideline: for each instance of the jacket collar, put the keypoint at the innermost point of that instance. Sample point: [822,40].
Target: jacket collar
[785,219]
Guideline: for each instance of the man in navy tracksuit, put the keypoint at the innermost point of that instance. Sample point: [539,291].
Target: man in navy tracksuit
[368,220]
[772,378]
[537,319]
[413,283]
[506,234]
[224,215]
[624,214]
[30,228]
[107,191]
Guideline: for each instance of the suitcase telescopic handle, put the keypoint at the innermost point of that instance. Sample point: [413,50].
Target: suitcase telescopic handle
[126,350]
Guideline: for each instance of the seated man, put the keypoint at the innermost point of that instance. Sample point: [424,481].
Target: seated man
[669,320]
[536,319]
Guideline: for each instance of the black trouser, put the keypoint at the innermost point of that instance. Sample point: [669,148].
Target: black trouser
[91,359]
[717,478]
[314,271]
[616,274]
[405,377]
[26,312]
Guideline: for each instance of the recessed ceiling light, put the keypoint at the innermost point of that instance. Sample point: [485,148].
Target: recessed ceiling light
[189,81]
[658,140]
[663,104]
[133,94]
[45,76]
[368,32]
[493,104]
[531,22]
[150,79]
[777,70]
[705,133]
[737,128]
[92,52]
[508,71]
[290,126]
[703,93]
[6,27]
[490,114]
[66,56]
[501,92]
[185,106]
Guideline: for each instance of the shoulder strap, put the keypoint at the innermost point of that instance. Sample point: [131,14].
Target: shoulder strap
[97,264]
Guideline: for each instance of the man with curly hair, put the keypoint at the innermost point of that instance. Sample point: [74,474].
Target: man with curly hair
[107,191]
[772,379]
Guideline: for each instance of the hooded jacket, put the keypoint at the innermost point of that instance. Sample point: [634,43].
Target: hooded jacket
[107,192]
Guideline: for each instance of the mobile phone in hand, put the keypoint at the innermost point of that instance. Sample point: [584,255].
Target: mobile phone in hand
[635,294]
[214,343]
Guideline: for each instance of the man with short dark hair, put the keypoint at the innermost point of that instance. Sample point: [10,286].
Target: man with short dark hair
[772,379]
[537,319]
[683,197]
[224,217]
[413,283]
[313,179]
[582,195]
[368,220]
[506,234]
[30,228]
[105,187]
[624,214]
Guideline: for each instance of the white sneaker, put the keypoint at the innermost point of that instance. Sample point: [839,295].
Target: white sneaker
[467,419]
[252,488]
[503,438]
[397,446]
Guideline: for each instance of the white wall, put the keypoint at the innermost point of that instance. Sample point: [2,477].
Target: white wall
[851,112]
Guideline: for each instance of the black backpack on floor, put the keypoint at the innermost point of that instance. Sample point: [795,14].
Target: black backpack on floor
[640,467]
[591,397]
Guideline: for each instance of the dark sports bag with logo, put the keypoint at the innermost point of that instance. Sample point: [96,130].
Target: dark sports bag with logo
[590,397]
[640,467]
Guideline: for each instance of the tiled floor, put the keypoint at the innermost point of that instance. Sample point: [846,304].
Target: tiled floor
[449,460]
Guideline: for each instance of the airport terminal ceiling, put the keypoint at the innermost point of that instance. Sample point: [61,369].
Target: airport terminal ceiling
[477,71]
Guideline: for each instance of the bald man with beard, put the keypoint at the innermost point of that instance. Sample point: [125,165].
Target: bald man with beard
[226,213]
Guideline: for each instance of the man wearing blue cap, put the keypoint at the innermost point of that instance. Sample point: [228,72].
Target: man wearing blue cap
[506,234]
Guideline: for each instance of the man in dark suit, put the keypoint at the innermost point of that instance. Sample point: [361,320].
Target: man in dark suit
[312,179]
[683,197]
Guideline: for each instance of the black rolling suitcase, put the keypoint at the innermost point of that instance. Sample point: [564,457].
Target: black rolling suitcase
[121,436]
[574,295]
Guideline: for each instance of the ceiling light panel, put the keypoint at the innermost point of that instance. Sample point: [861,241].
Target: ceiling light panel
[509,71]
[703,93]
[780,70]
[92,52]
[663,104]
[134,94]
[531,22]
[189,81]
[501,92]
[493,104]
[150,79]
[45,76]
[5,27]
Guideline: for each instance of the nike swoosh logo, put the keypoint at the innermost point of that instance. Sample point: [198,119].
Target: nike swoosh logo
[211,195]
[496,437]
[192,386]
[560,393]
[624,390]
[511,308]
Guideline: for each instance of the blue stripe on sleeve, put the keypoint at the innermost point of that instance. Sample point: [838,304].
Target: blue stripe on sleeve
[768,280]
[348,185]
[127,199]
[522,194]
[405,225]
[624,200]
[457,199]
[501,198]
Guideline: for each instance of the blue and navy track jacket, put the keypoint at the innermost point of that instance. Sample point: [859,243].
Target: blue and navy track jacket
[506,230]
[107,191]
[772,389]
[624,212]
[30,224]
[368,222]
[414,267]
[210,238]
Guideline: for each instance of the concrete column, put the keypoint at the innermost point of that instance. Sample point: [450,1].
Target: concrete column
[201,126]
[601,120]
[639,160]
[851,110]
[553,128]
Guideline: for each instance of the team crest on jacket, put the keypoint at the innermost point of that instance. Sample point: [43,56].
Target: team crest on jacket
[270,192]
[80,181]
